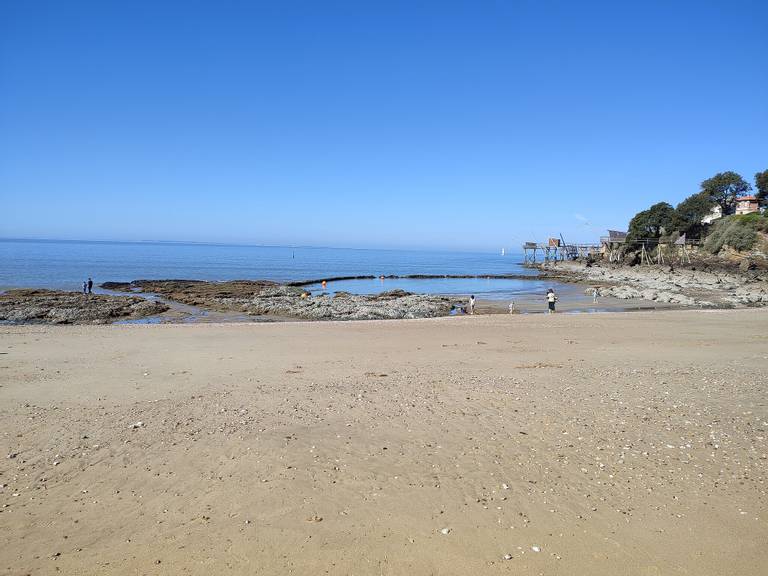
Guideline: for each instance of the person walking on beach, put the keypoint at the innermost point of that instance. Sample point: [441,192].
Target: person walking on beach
[551,299]
[594,295]
[472,304]
[90,286]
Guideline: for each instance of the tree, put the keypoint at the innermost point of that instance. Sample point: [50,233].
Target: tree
[689,213]
[652,223]
[723,188]
[761,183]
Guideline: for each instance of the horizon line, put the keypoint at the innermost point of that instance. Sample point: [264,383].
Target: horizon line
[245,245]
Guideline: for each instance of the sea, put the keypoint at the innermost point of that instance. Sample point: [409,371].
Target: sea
[63,265]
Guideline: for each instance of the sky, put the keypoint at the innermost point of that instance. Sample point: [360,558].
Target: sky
[448,125]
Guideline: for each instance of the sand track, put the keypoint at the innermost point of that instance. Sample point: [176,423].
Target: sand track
[614,443]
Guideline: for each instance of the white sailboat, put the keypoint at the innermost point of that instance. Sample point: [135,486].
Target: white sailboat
[502,251]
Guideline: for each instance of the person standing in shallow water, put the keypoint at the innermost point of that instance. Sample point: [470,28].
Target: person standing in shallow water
[85,287]
[90,286]
[551,299]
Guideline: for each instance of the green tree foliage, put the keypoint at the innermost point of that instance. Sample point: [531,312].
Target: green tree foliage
[652,223]
[723,188]
[761,183]
[689,213]
[737,232]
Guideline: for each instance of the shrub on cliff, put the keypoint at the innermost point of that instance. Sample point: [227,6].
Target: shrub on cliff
[737,232]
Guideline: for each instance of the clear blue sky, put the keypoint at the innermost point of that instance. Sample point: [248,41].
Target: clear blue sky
[469,125]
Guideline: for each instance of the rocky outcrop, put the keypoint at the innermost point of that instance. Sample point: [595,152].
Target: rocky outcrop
[344,306]
[54,307]
[215,295]
[258,298]
[625,292]
[683,286]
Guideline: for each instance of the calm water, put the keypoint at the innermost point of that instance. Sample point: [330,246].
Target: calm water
[487,288]
[64,265]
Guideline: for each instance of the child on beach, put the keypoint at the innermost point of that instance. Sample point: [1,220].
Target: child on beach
[594,295]
[551,299]
[472,304]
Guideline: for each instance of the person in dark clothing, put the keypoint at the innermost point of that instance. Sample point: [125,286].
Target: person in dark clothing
[90,286]
[85,287]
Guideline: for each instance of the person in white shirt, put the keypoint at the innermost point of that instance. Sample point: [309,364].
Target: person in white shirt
[594,295]
[472,304]
[551,299]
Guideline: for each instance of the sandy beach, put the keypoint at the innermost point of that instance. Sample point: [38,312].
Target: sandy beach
[567,444]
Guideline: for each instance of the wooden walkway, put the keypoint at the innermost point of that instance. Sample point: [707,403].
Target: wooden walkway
[550,252]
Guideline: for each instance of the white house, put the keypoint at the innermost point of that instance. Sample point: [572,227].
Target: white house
[717,212]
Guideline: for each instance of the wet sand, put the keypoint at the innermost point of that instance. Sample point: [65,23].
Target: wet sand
[571,304]
[601,444]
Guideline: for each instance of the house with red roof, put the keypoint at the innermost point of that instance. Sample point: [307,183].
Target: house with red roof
[746,205]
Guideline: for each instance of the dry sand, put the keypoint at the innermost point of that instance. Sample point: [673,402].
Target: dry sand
[602,444]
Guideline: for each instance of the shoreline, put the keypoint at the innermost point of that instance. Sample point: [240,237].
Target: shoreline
[178,312]
[175,308]
[620,288]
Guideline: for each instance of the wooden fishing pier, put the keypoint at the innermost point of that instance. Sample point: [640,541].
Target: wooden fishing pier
[557,249]
[611,247]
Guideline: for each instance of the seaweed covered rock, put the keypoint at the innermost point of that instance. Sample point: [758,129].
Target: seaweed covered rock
[57,307]
[259,298]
